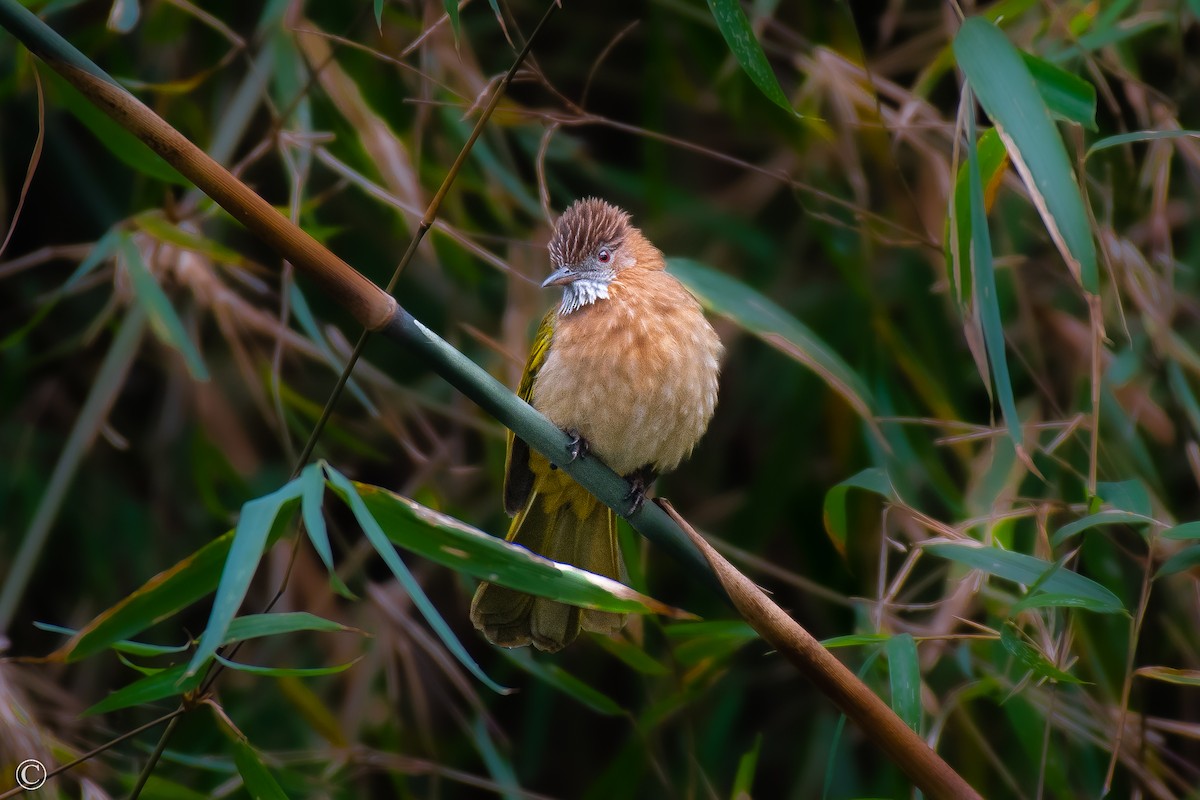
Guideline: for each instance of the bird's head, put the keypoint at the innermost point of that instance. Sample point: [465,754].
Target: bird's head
[593,241]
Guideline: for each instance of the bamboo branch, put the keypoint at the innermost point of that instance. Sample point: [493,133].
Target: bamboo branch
[376,310]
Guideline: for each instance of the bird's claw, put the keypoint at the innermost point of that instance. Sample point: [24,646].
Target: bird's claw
[637,494]
[578,447]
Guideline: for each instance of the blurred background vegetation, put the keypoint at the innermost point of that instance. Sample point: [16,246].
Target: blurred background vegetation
[127,444]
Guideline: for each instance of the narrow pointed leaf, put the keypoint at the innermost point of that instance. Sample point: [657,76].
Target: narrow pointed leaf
[872,479]
[1188,530]
[250,538]
[171,682]
[454,544]
[738,34]
[987,303]
[1027,570]
[1183,677]
[1184,560]
[163,319]
[1099,519]
[287,672]
[258,781]
[1066,95]
[557,677]
[387,551]
[904,673]
[1006,89]
[123,646]
[254,626]
[1030,659]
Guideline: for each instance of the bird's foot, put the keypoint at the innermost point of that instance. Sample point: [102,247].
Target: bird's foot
[639,483]
[578,447]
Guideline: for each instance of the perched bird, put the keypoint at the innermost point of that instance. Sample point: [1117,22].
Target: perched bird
[627,365]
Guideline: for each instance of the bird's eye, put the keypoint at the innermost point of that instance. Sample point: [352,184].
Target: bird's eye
[604,255]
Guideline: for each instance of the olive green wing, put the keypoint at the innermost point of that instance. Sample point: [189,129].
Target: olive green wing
[518,477]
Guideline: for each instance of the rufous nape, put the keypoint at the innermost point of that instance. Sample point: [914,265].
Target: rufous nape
[627,365]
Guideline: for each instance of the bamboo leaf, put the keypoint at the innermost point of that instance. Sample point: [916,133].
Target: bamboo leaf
[872,479]
[454,544]
[558,678]
[1030,658]
[904,673]
[1006,89]
[1027,570]
[1183,677]
[250,540]
[387,551]
[170,682]
[163,319]
[738,34]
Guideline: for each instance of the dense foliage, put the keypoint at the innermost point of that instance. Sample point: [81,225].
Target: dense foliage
[967,455]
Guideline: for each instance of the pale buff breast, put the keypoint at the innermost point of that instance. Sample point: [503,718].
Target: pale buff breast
[635,374]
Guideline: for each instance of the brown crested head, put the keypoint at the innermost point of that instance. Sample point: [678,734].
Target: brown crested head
[593,241]
[585,227]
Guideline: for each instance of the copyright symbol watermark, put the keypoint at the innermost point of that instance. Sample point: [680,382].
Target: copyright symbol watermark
[31,774]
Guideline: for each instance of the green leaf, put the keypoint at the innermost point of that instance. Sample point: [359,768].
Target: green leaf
[163,319]
[155,224]
[715,641]
[250,539]
[120,142]
[371,528]
[288,672]
[378,14]
[312,498]
[1006,89]
[987,303]
[743,780]
[1030,658]
[1188,530]
[716,629]
[855,640]
[254,626]
[451,7]
[1183,560]
[993,162]
[904,672]
[123,646]
[1131,495]
[454,544]
[734,26]
[1183,677]
[257,779]
[872,479]
[558,678]
[1049,600]
[1066,95]
[1096,520]
[159,598]
[499,767]
[170,682]
[1027,570]
[768,321]
[631,655]
[1137,136]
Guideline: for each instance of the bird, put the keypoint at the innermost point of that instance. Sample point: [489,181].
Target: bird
[627,365]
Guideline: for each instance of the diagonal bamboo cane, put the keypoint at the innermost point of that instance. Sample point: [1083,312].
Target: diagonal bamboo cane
[377,311]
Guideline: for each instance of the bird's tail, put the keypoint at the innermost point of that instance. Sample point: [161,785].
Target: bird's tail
[567,525]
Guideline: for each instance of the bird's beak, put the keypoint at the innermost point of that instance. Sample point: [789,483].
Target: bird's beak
[560,277]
